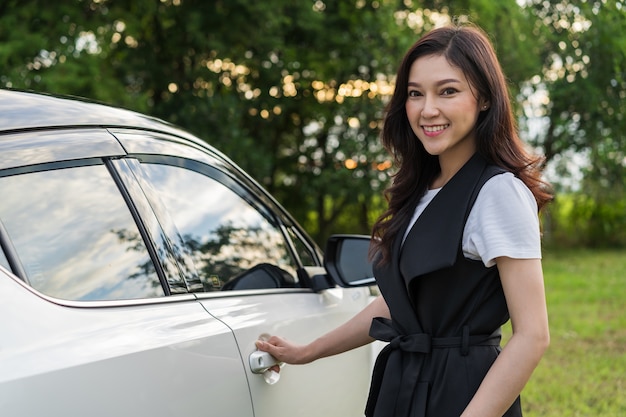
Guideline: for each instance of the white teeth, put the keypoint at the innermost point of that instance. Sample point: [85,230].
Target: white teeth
[431,129]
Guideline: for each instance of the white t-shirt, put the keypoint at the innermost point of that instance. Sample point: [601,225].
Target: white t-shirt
[502,222]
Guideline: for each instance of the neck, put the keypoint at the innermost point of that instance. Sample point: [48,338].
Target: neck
[449,167]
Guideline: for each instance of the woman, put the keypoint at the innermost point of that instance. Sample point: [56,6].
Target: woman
[458,252]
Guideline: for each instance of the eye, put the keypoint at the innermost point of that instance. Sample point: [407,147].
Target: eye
[414,93]
[449,91]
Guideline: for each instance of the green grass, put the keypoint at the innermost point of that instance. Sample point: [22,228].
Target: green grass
[584,371]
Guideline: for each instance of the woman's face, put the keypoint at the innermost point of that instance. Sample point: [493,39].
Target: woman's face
[442,108]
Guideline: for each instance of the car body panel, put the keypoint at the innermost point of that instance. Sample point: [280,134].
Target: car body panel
[115,359]
[342,379]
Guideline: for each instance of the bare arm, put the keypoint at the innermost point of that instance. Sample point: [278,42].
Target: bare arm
[522,281]
[350,335]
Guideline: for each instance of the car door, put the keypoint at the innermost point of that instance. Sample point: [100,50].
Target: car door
[251,259]
[97,314]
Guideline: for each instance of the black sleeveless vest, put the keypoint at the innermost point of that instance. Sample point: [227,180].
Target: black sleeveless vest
[446,311]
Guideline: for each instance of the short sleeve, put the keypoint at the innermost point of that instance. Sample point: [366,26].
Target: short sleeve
[504,221]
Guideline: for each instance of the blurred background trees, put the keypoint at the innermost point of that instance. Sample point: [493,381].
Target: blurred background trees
[294,92]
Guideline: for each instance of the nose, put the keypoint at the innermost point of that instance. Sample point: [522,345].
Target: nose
[430,108]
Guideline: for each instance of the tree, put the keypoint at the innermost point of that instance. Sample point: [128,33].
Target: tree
[294,92]
[584,81]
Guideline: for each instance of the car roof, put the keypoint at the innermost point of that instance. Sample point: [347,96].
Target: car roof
[23,110]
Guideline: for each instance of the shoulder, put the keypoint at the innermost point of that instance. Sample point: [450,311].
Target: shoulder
[504,221]
[506,191]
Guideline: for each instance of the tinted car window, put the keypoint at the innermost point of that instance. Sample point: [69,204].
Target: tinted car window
[3,260]
[233,243]
[75,236]
[307,257]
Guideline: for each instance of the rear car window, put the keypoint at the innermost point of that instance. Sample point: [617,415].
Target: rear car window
[75,236]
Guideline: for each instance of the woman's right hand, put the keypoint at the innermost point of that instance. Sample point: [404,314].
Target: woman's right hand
[284,351]
[350,335]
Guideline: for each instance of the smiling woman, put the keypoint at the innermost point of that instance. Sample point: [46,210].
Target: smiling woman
[458,251]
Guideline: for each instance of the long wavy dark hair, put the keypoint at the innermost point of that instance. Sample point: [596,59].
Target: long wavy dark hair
[468,48]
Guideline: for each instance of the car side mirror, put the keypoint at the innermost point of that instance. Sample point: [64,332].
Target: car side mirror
[347,262]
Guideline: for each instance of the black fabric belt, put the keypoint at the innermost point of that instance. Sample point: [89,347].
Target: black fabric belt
[395,382]
[382,329]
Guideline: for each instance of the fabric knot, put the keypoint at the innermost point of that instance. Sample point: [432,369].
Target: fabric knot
[418,343]
[383,329]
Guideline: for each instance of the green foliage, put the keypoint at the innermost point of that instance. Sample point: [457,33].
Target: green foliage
[294,92]
[509,27]
[49,48]
[584,55]
[578,219]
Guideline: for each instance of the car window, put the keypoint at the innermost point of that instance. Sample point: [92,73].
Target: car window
[3,260]
[234,243]
[304,251]
[75,236]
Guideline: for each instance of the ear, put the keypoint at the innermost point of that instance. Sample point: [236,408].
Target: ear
[484,105]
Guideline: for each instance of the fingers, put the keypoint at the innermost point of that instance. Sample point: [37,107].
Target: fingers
[273,344]
[269,348]
[277,341]
[281,349]
[264,346]
[275,368]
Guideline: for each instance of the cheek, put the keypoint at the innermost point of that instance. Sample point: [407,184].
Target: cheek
[412,114]
[469,113]
[412,110]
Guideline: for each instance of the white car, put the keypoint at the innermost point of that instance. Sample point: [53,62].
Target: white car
[138,266]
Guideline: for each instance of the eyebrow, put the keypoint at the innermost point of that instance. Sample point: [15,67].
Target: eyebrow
[438,83]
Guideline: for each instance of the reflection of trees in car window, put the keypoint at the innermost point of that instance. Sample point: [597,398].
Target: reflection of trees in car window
[134,242]
[225,235]
[64,232]
[228,251]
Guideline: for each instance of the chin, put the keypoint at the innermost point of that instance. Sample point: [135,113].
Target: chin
[434,152]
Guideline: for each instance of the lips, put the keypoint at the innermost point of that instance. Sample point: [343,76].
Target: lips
[435,129]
